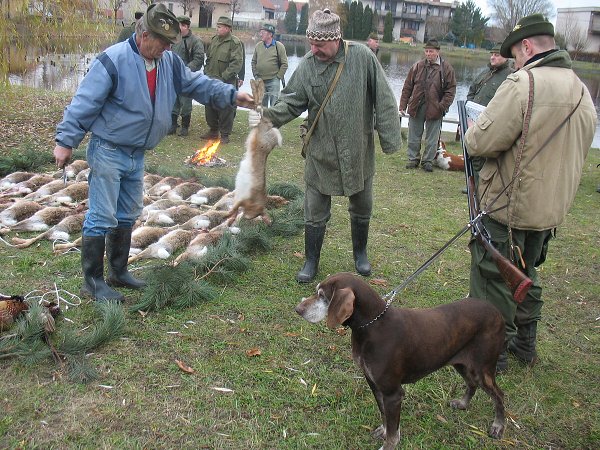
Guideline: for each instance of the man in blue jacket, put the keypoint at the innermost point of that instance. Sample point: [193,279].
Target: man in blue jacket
[125,101]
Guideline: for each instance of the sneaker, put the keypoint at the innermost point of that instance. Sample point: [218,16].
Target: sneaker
[210,135]
[413,164]
[224,139]
[427,167]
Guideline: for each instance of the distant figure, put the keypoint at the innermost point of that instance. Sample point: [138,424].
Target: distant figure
[224,61]
[483,89]
[427,94]
[127,31]
[373,42]
[269,63]
[191,50]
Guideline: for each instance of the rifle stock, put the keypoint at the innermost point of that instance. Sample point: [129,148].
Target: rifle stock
[514,278]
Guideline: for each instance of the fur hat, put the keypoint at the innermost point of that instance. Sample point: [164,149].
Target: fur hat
[268,27]
[533,25]
[159,20]
[324,26]
[432,43]
[184,19]
[224,20]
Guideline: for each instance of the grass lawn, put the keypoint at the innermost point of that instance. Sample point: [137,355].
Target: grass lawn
[302,390]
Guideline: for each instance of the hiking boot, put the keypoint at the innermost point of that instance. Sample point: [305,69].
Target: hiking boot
[185,125]
[427,167]
[413,164]
[173,128]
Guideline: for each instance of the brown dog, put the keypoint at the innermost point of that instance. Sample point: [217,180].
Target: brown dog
[393,346]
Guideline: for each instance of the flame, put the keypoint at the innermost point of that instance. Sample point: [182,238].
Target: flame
[206,153]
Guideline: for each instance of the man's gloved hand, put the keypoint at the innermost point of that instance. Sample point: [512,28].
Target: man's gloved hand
[253,118]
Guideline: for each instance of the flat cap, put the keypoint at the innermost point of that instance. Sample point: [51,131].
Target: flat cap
[432,43]
[159,20]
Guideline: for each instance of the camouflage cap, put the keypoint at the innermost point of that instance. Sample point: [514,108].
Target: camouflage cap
[162,22]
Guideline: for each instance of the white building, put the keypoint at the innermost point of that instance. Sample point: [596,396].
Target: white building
[580,27]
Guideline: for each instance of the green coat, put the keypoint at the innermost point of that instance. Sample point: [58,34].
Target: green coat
[126,33]
[224,58]
[487,83]
[191,50]
[341,153]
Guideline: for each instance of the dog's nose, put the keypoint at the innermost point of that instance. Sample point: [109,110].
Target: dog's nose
[300,308]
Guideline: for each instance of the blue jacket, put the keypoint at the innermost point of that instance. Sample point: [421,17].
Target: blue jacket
[113,101]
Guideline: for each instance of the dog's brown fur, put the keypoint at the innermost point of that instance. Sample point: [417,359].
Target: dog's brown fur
[404,345]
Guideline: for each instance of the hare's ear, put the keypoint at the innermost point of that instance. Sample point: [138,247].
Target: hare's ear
[341,307]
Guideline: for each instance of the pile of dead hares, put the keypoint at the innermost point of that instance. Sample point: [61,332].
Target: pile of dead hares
[180,217]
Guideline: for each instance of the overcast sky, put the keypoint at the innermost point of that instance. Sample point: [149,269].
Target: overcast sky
[557,4]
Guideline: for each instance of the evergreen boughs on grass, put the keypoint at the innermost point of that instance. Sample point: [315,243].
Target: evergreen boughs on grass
[25,159]
[31,343]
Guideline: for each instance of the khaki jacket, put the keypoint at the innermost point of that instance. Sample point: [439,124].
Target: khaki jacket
[545,190]
[425,83]
[341,152]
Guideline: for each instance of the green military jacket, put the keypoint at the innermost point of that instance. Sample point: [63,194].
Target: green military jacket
[224,58]
[191,50]
[487,83]
[341,153]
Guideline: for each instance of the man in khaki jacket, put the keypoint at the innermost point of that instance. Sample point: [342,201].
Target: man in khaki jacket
[524,215]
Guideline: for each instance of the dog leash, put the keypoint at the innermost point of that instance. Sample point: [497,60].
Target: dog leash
[392,294]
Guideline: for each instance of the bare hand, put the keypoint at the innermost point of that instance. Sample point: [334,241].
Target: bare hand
[244,99]
[240,83]
[62,156]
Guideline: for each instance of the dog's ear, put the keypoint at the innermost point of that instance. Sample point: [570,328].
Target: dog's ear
[341,307]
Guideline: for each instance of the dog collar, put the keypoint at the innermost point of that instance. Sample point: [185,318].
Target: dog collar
[387,305]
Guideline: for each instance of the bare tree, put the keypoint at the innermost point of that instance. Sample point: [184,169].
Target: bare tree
[234,7]
[506,13]
[188,6]
[116,5]
[575,37]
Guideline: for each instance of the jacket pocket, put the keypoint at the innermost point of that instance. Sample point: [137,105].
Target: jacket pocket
[484,121]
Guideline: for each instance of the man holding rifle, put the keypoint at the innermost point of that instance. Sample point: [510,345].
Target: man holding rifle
[535,134]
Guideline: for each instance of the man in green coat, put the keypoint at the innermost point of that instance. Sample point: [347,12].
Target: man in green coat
[224,61]
[340,155]
[128,31]
[191,50]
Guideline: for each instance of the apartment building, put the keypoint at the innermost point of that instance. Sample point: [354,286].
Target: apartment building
[580,28]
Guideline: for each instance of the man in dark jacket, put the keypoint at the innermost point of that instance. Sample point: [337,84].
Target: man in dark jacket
[427,94]
[191,50]
[224,61]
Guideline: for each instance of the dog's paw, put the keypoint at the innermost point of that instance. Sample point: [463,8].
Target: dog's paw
[496,430]
[459,404]
[379,432]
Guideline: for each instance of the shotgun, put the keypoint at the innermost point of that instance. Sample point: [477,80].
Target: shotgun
[515,279]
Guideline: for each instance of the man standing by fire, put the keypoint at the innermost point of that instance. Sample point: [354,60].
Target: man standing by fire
[127,107]
[191,50]
[224,61]
[340,149]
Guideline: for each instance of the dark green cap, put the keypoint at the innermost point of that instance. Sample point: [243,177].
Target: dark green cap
[374,36]
[432,43]
[224,20]
[533,25]
[159,20]
[495,49]
[184,19]
[268,27]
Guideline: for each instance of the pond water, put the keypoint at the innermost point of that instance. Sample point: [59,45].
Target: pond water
[64,70]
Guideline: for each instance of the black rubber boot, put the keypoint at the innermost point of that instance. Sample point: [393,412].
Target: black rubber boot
[185,125]
[522,346]
[360,236]
[92,263]
[118,242]
[173,128]
[502,363]
[313,241]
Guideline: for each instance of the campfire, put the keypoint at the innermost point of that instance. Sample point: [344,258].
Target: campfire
[207,155]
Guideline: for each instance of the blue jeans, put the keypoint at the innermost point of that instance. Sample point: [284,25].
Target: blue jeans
[115,187]
[272,89]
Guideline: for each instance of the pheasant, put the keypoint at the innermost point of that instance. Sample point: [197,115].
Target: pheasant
[10,308]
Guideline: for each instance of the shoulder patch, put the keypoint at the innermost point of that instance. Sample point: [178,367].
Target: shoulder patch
[513,76]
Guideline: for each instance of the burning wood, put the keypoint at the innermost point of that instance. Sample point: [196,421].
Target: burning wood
[207,155]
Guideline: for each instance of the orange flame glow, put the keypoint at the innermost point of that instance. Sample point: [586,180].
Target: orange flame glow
[206,153]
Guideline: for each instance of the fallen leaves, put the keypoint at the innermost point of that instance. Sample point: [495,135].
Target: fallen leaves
[184,367]
[253,352]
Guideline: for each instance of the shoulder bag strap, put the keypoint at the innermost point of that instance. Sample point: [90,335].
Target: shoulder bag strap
[331,88]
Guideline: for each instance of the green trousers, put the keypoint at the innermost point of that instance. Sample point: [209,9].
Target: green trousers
[486,282]
[415,133]
[183,106]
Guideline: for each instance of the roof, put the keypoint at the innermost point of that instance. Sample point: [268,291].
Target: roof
[280,5]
